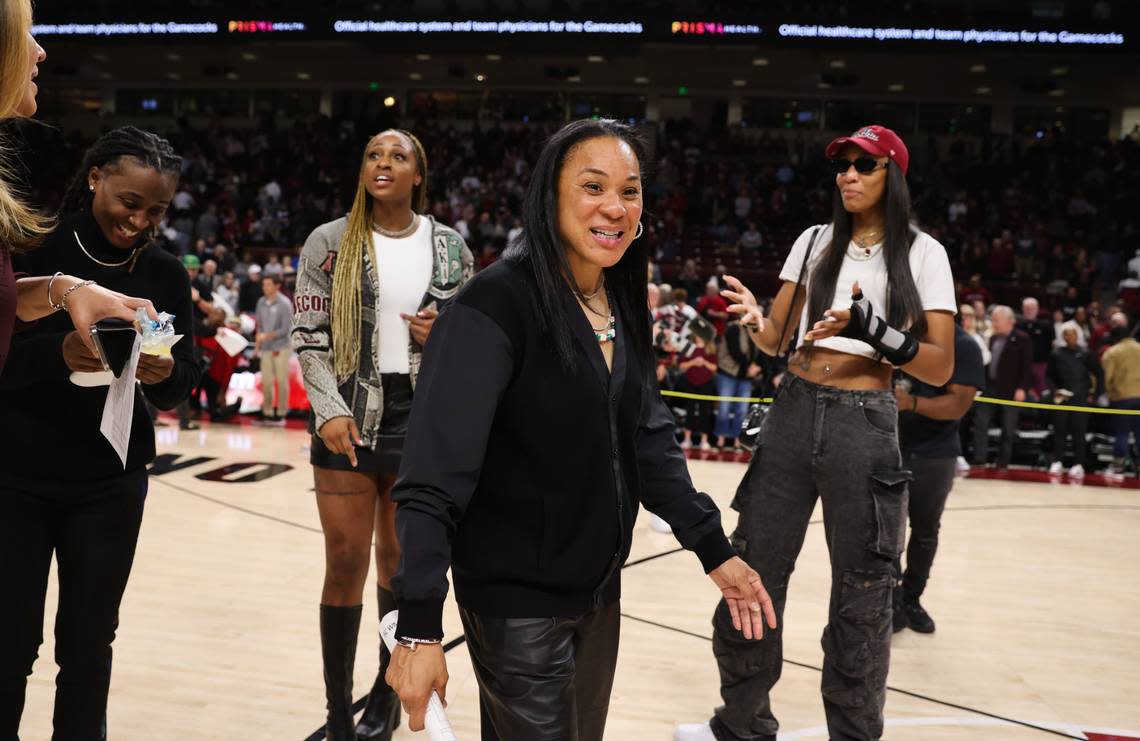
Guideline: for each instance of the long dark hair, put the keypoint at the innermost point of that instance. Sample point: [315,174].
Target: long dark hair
[540,247]
[904,306]
[149,150]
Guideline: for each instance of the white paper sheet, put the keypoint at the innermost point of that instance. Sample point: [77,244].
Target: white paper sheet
[119,410]
[230,341]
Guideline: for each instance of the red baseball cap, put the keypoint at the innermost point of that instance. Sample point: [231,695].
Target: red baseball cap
[878,141]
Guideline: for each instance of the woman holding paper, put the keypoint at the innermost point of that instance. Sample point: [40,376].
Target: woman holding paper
[64,489]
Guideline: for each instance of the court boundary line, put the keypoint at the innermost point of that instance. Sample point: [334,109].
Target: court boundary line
[897,690]
[461,639]
[239,508]
[977,508]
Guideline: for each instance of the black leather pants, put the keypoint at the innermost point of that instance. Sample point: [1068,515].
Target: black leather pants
[544,679]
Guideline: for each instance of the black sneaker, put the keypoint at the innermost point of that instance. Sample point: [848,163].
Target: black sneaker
[224,413]
[899,619]
[917,618]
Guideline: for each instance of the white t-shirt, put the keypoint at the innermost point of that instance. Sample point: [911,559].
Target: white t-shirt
[929,266]
[1134,264]
[403,267]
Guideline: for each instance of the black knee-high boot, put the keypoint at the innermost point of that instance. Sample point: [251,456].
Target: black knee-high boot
[339,629]
[382,715]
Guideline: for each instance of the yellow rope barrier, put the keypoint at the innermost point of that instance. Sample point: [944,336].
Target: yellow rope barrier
[702,397]
[984,399]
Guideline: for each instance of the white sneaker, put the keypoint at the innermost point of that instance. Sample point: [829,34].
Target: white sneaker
[657,525]
[1056,469]
[962,469]
[705,445]
[1077,472]
[686,444]
[693,732]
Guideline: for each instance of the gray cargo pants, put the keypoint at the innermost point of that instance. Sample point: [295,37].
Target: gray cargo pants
[841,446]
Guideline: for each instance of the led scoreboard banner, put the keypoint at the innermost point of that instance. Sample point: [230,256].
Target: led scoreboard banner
[951,35]
[681,30]
[346,26]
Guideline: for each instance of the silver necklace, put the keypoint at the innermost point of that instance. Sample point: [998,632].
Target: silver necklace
[608,332]
[399,233]
[96,260]
[601,285]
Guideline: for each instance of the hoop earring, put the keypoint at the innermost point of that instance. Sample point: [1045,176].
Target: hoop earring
[640,231]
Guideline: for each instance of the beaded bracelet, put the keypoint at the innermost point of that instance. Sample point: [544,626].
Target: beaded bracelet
[412,643]
[62,305]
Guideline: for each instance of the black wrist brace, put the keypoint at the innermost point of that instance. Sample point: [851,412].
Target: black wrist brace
[897,346]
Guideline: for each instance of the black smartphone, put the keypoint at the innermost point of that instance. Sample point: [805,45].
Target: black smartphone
[114,340]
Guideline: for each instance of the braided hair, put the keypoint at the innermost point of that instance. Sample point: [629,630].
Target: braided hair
[346,291]
[108,151]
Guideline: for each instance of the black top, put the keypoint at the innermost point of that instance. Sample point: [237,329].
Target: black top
[248,294]
[743,359]
[49,425]
[923,437]
[1075,370]
[524,477]
[1042,334]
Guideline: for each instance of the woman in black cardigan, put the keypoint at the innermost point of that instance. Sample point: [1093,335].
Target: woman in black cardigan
[537,431]
[64,490]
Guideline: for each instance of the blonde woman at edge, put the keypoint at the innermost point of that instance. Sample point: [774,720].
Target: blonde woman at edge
[21,228]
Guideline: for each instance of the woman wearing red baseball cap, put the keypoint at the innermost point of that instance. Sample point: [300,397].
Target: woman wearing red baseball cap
[869,292]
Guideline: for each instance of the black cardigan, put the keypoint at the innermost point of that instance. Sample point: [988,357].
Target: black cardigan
[49,427]
[524,477]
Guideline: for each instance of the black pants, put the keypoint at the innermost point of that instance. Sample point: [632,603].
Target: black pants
[544,679]
[701,415]
[983,415]
[92,530]
[1070,423]
[929,490]
[840,446]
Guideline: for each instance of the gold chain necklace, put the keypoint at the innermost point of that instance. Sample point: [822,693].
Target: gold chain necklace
[96,260]
[865,245]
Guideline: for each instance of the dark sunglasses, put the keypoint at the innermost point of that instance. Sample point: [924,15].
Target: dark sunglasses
[863,165]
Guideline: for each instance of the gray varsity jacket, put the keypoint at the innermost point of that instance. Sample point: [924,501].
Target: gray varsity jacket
[361,395]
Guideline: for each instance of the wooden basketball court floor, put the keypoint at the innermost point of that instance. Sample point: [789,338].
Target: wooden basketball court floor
[1035,592]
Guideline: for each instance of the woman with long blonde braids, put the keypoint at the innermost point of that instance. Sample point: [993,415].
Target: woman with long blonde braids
[369,288]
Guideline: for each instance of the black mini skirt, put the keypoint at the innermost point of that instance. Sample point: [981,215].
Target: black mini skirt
[385,459]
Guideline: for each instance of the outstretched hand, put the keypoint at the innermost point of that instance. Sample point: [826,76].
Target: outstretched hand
[743,304]
[748,600]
